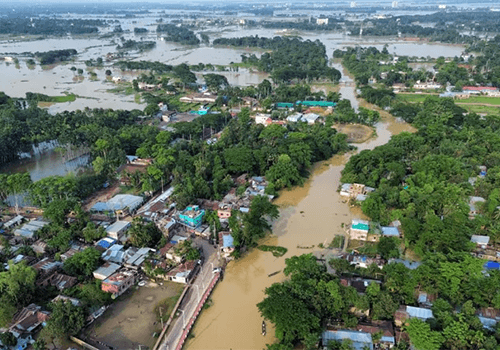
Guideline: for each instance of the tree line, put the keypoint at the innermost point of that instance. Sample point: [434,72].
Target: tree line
[49,26]
[53,56]
[291,58]
[181,35]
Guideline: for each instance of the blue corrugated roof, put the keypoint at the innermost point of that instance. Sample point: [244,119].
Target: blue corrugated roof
[492,265]
[227,241]
[419,312]
[390,231]
[386,339]
[412,265]
[106,242]
[488,323]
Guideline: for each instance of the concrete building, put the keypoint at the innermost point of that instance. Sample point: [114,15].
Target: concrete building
[118,283]
[359,229]
[192,216]
[264,119]
[224,211]
[322,21]
[118,229]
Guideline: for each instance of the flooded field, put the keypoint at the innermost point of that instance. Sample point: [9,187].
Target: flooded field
[16,81]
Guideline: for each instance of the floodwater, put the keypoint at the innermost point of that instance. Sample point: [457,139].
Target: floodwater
[46,160]
[309,215]
[47,164]
[58,80]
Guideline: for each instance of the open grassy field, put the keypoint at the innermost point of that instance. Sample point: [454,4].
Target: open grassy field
[482,99]
[480,109]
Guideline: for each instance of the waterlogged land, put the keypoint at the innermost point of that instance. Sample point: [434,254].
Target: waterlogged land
[94,93]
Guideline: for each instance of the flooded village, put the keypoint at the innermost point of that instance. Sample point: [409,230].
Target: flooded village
[195,191]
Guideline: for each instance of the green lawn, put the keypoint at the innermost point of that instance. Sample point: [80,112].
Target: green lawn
[413,98]
[482,99]
[481,109]
[65,98]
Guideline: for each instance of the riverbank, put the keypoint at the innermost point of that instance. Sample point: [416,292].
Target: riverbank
[310,216]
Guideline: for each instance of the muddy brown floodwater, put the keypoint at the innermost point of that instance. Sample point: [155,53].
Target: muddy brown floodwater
[309,215]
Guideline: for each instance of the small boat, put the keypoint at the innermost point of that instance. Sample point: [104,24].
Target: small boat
[263,328]
[274,273]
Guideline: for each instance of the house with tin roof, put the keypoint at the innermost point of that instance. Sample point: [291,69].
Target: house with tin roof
[226,243]
[480,241]
[106,270]
[182,273]
[406,312]
[359,340]
[389,231]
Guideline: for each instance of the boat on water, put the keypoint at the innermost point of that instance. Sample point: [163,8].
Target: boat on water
[263,328]
[273,273]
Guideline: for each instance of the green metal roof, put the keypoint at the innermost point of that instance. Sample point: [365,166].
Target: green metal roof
[317,103]
[284,104]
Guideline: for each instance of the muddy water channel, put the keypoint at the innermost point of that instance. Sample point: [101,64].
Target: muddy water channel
[309,215]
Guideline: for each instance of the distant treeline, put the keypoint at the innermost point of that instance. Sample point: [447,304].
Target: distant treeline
[49,26]
[291,58]
[179,35]
[140,30]
[144,65]
[137,45]
[54,56]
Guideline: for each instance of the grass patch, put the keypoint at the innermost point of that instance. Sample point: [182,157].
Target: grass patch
[480,109]
[337,242]
[413,98]
[482,99]
[276,250]
[137,98]
[128,190]
[208,303]
[50,100]
[166,305]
